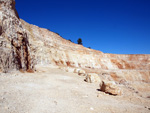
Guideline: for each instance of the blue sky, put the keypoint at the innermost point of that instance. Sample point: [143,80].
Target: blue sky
[111,26]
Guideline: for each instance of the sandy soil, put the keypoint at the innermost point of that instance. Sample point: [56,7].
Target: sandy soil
[52,90]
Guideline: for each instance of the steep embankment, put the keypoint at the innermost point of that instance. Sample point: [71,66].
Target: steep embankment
[14,45]
[49,48]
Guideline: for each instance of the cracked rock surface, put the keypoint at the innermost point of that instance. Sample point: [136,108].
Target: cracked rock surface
[14,45]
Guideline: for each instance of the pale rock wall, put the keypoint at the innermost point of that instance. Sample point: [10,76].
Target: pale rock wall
[49,48]
[22,45]
[14,53]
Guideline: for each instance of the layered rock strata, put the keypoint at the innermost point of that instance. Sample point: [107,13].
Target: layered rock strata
[49,48]
[21,42]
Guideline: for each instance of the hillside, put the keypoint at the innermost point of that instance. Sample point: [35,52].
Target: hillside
[41,72]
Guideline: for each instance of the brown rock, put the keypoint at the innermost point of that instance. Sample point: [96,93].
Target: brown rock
[110,87]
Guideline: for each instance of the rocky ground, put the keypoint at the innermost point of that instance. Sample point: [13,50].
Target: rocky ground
[51,90]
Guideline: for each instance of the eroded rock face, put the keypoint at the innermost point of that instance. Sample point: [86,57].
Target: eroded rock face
[49,48]
[14,45]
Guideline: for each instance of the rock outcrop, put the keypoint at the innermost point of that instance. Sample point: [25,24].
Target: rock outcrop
[22,44]
[14,44]
[49,48]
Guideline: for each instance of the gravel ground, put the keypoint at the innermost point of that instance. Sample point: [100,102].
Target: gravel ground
[52,90]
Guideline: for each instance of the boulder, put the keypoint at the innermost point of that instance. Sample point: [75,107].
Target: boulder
[81,72]
[110,87]
[92,77]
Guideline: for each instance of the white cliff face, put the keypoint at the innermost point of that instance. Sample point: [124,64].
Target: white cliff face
[13,39]
[59,51]
[23,45]
[49,48]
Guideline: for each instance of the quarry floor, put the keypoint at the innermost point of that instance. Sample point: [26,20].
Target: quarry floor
[52,90]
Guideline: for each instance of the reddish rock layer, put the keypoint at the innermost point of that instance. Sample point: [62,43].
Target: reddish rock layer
[49,48]
[21,42]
